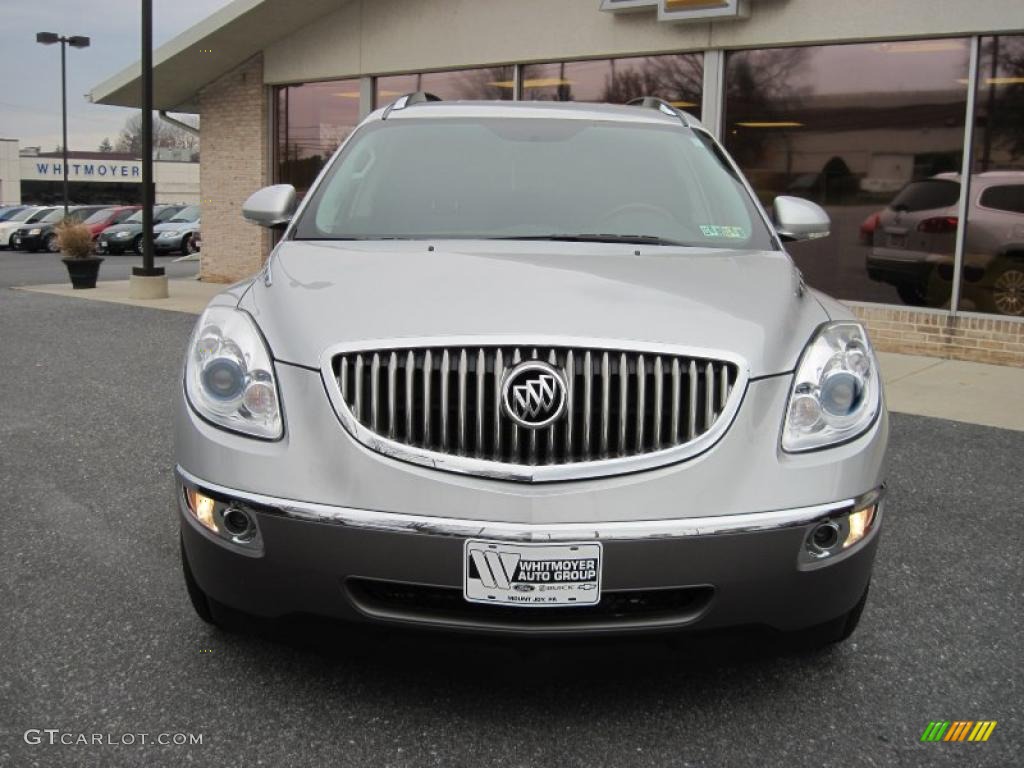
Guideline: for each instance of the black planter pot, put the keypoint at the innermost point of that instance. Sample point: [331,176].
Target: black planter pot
[83,272]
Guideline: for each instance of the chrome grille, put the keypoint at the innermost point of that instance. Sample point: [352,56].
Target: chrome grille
[448,400]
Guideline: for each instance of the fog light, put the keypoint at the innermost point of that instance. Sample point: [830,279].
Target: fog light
[202,506]
[859,524]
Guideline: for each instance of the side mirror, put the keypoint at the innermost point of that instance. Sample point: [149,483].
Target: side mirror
[799,219]
[271,207]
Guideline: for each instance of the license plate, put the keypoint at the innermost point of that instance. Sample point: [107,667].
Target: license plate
[897,241]
[532,575]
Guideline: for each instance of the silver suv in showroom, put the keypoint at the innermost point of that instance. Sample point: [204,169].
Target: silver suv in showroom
[531,368]
[915,239]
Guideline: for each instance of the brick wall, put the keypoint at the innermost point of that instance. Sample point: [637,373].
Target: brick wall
[979,339]
[233,165]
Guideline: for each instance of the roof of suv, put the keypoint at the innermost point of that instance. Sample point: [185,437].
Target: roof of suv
[566,110]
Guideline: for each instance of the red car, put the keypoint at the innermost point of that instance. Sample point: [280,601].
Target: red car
[107,217]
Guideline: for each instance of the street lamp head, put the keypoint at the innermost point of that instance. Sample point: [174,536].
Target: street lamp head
[78,41]
[47,38]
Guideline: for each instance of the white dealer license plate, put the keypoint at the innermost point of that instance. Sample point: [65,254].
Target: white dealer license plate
[532,575]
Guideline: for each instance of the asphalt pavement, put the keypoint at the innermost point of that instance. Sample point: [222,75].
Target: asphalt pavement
[97,635]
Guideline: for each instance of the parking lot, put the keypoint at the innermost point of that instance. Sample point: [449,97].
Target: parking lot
[98,637]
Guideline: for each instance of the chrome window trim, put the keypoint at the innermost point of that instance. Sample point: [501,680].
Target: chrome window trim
[468,465]
[396,522]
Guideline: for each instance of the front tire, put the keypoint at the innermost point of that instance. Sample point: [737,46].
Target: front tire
[51,244]
[188,247]
[137,244]
[912,295]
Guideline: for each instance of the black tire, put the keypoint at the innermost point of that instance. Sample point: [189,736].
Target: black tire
[201,602]
[912,294]
[137,244]
[50,244]
[187,246]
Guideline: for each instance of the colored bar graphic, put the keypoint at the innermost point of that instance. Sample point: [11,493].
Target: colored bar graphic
[958,730]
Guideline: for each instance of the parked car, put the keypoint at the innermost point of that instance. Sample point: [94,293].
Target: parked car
[107,217]
[29,215]
[9,211]
[127,235]
[915,242]
[178,233]
[42,235]
[536,369]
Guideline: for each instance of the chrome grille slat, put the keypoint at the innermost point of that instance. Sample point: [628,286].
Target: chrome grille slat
[410,378]
[606,393]
[461,423]
[641,388]
[444,370]
[392,387]
[620,404]
[481,372]
[375,392]
[588,384]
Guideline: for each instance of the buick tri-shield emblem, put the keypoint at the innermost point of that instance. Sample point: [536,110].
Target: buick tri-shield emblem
[534,394]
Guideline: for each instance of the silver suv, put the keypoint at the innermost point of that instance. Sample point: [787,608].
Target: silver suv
[915,240]
[531,368]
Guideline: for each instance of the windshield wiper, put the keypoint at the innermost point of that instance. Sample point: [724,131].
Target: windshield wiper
[598,238]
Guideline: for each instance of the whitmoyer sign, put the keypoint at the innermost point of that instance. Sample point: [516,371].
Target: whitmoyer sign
[52,169]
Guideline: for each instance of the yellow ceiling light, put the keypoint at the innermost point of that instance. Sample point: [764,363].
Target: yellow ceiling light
[922,46]
[535,82]
[771,124]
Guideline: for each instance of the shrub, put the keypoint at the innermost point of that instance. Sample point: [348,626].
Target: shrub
[74,239]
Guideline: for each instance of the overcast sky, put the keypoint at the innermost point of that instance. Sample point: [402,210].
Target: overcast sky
[30,95]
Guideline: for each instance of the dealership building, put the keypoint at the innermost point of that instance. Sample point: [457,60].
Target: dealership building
[882,105]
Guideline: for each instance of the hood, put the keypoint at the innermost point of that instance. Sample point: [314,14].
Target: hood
[745,303]
[169,226]
[130,227]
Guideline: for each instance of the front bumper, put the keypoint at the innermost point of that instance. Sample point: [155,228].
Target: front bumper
[161,243]
[27,242]
[351,533]
[404,569]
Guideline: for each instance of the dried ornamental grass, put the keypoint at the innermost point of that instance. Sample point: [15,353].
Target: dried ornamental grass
[74,239]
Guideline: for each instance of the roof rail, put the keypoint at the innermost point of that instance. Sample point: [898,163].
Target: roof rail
[653,102]
[418,97]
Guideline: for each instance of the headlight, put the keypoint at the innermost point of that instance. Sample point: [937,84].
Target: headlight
[836,391]
[35,231]
[229,377]
[170,233]
[123,234]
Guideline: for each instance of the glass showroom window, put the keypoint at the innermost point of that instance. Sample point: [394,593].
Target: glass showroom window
[677,78]
[496,83]
[873,132]
[311,121]
[993,264]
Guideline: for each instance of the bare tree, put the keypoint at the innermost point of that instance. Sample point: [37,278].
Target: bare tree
[106,146]
[165,135]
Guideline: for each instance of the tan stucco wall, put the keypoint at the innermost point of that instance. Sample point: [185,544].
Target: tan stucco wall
[386,36]
[233,165]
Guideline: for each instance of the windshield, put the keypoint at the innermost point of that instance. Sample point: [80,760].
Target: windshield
[100,216]
[926,195]
[55,215]
[23,215]
[526,178]
[135,217]
[189,214]
[163,214]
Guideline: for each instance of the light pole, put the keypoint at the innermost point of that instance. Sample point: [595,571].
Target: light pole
[75,41]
